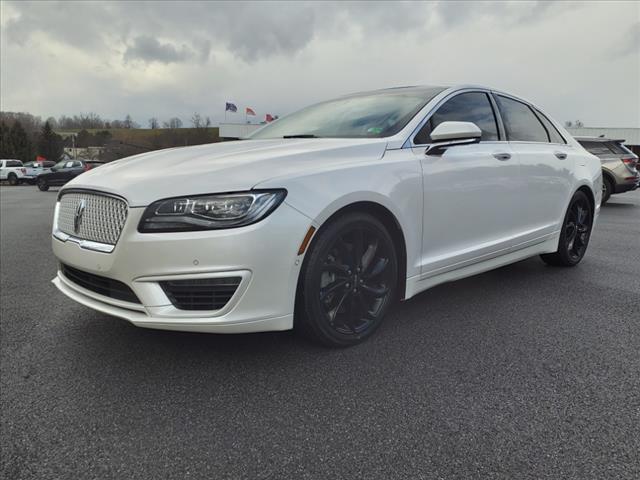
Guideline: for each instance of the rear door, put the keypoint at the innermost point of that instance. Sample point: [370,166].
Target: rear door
[547,164]
[472,193]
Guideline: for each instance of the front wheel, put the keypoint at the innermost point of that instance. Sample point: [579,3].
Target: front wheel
[575,234]
[348,281]
[43,186]
[13,179]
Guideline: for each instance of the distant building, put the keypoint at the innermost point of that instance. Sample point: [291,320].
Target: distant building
[631,136]
[85,153]
[230,131]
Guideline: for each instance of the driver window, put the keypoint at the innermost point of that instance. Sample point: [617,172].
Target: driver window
[467,107]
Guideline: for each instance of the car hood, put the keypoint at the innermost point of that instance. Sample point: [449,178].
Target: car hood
[222,167]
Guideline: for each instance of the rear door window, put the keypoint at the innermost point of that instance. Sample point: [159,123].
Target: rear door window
[467,107]
[520,122]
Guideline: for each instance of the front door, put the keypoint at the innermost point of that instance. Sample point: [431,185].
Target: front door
[473,200]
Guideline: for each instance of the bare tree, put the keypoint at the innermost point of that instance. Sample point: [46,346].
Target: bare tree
[196,120]
[128,122]
[207,122]
[153,123]
[174,122]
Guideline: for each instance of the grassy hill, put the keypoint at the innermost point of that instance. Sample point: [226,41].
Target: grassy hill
[153,138]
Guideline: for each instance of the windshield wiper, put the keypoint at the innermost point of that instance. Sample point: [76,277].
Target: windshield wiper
[301,135]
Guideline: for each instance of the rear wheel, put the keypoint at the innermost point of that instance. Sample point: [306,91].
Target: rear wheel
[348,281]
[13,179]
[575,234]
[43,185]
[607,189]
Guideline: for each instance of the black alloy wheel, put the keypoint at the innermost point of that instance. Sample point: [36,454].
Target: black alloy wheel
[575,234]
[348,281]
[43,185]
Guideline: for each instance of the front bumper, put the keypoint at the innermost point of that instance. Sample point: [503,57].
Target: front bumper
[264,255]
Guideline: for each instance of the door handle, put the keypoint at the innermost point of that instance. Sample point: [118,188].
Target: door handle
[560,155]
[502,156]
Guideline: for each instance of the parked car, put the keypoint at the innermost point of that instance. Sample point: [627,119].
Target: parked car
[64,171]
[12,170]
[33,169]
[322,219]
[619,165]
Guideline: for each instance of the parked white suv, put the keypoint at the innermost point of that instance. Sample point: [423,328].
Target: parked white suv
[12,171]
[323,218]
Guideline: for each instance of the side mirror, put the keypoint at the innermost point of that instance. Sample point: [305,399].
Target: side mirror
[450,134]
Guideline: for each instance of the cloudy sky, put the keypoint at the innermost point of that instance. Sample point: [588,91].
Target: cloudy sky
[163,59]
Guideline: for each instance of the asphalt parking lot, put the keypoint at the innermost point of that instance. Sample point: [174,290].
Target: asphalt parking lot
[528,371]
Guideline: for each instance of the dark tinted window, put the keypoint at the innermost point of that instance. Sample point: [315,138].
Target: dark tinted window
[616,148]
[520,122]
[553,132]
[14,163]
[598,149]
[467,107]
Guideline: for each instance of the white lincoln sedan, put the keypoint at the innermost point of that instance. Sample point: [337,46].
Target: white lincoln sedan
[322,219]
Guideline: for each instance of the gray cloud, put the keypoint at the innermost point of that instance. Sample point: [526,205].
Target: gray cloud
[277,56]
[149,49]
[630,43]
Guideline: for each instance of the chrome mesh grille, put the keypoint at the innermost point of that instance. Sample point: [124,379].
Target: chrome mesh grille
[102,219]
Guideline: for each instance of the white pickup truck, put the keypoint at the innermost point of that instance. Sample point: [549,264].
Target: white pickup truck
[13,171]
[36,168]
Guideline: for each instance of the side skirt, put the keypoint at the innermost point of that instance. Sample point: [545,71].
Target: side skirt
[417,283]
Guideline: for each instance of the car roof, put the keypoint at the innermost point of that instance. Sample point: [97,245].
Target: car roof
[428,91]
[598,139]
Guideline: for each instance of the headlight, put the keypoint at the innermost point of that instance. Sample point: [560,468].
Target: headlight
[210,212]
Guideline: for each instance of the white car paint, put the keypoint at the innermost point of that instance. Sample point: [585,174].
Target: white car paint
[474,208]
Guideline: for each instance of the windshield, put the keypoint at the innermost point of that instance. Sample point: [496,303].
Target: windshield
[373,115]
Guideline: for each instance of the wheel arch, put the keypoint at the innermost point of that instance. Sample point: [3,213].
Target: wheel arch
[609,176]
[390,222]
[590,196]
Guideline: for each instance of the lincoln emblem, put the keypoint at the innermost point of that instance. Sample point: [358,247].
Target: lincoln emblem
[77,219]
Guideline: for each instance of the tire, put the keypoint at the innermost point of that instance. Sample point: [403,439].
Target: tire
[607,190]
[12,178]
[348,281]
[575,234]
[43,186]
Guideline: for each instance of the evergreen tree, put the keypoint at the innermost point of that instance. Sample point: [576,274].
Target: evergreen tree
[6,148]
[19,142]
[50,145]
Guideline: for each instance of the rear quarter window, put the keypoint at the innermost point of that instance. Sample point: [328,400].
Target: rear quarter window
[615,147]
[521,124]
[599,149]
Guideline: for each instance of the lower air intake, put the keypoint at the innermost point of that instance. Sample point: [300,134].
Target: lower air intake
[201,293]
